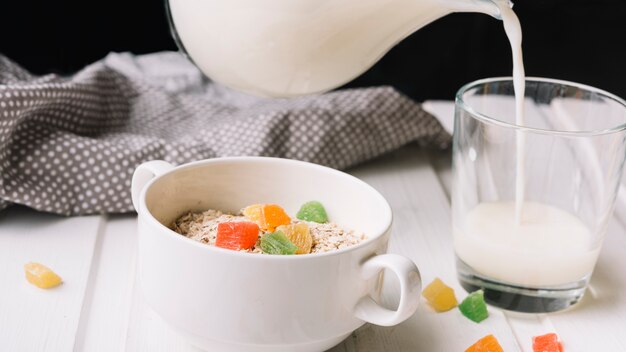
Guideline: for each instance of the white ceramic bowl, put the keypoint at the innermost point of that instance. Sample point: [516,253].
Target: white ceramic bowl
[224,300]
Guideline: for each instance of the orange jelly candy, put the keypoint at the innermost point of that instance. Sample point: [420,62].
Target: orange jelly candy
[487,344]
[237,235]
[267,216]
[547,343]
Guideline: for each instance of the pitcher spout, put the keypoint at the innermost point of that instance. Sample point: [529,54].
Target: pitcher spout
[489,7]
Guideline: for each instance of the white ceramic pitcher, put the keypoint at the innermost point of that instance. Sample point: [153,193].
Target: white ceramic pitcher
[286,48]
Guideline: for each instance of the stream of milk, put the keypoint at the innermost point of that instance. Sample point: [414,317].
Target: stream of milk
[513,31]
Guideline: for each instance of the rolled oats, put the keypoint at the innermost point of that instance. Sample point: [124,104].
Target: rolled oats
[202,227]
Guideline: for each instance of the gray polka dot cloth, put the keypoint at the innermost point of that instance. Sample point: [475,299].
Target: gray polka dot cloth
[69,145]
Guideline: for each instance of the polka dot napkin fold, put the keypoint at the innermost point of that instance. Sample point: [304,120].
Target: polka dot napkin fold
[69,145]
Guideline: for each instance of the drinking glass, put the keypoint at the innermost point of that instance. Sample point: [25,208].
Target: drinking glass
[531,201]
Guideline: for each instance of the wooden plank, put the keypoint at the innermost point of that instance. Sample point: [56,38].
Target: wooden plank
[443,110]
[104,322]
[597,322]
[422,232]
[594,316]
[441,162]
[523,326]
[117,319]
[148,332]
[32,319]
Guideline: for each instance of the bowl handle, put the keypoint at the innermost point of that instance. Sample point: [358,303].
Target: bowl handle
[143,174]
[410,288]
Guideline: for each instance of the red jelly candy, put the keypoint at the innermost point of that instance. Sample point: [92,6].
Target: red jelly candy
[237,235]
[547,343]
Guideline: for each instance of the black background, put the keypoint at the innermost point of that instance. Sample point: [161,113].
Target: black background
[582,41]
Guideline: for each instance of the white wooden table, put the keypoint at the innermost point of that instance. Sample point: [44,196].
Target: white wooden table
[98,308]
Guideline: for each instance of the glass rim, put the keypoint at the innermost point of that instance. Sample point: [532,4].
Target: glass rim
[492,120]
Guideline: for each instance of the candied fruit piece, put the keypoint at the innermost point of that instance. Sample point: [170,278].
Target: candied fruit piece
[277,243]
[487,344]
[547,343]
[237,235]
[273,216]
[313,211]
[474,307]
[440,296]
[267,216]
[299,235]
[41,276]
[253,213]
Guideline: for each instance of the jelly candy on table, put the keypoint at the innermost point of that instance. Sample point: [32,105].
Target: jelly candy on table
[313,211]
[474,307]
[547,343]
[299,234]
[277,243]
[267,216]
[487,344]
[41,276]
[440,296]
[237,235]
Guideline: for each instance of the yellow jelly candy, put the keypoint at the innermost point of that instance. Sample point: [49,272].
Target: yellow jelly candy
[299,235]
[253,213]
[267,216]
[41,276]
[440,296]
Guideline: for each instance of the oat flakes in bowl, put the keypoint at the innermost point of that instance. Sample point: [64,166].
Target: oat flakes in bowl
[276,233]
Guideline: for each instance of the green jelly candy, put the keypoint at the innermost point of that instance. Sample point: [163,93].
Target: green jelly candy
[277,243]
[313,211]
[474,307]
